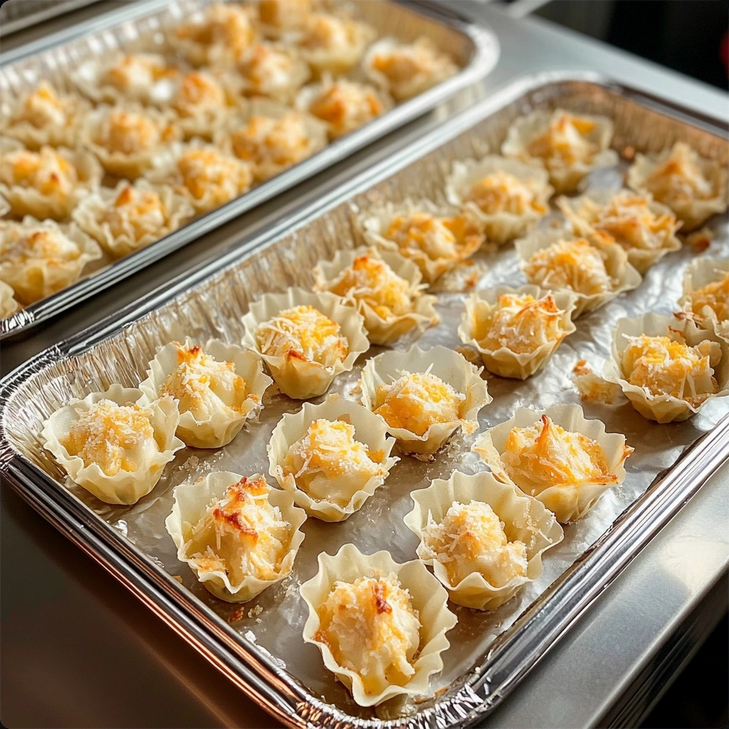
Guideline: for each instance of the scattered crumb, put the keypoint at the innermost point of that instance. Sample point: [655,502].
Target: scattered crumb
[237,615]
[461,279]
[592,387]
[470,354]
[178,578]
[700,240]
[191,464]
[628,152]
[254,612]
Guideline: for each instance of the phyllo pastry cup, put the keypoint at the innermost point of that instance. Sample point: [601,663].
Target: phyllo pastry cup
[131,216]
[516,330]
[570,146]
[407,69]
[218,387]
[333,456]
[380,625]
[48,183]
[8,304]
[306,339]
[238,535]
[644,228]
[436,238]
[281,16]
[273,70]
[38,259]
[116,443]
[424,396]
[386,289]
[694,187]
[667,367]
[506,195]
[556,456]
[484,539]
[594,268]
[706,294]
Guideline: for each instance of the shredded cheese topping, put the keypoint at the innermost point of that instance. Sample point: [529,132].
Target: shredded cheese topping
[226,26]
[42,108]
[346,105]
[679,179]
[127,133]
[136,212]
[328,32]
[135,74]
[565,142]
[46,171]
[501,192]
[265,140]
[208,173]
[713,296]
[284,14]
[198,93]
[43,243]
[267,69]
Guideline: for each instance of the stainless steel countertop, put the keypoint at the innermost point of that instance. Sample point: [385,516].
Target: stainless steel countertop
[78,650]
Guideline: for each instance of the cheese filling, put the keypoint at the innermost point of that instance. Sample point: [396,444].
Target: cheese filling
[502,192]
[679,179]
[303,333]
[327,32]
[208,173]
[264,140]
[46,244]
[130,133]
[346,105]
[46,171]
[226,25]
[135,74]
[42,108]
[198,93]
[267,69]
[136,212]
[470,539]
[565,142]
[713,296]
[284,13]
[402,64]
[372,629]
[663,366]
[415,401]
[437,238]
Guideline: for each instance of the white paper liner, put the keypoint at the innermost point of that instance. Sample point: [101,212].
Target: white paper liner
[504,226]
[449,366]
[281,85]
[564,179]
[126,487]
[503,361]
[191,500]
[8,304]
[569,503]
[369,429]
[89,216]
[699,273]
[663,408]
[623,276]
[220,429]
[298,378]
[382,330]
[429,599]
[640,258]
[525,520]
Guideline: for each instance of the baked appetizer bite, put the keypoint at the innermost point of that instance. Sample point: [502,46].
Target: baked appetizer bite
[436,238]
[570,146]
[126,140]
[556,456]
[276,71]
[218,388]
[386,289]
[407,69]
[48,183]
[595,269]
[380,626]
[516,330]
[644,228]
[333,44]
[43,117]
[131,216]
[333,456]
[424,396]
[694,187]
[342,105]
[115,443]
[279,16]
[667,367]
[38,259]
[8,304]
[706,294]
[204,174]
[238,535]
[507,196]
[306,339]
[483,539]
[217,38]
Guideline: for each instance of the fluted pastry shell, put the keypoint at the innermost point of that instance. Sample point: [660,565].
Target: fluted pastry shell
[126,486]
[663,408]
[525,519]
[503,226]
[297,377]
[699,273]
[375,222]
[56,204]
[89,215]
[447,364]
[382,330]
[35,277]
[504,361]
[279,84]
[429,598]
[659,243]
[568,502]
[191,501]
[277,17]
[226,421]
[8,304]
[564,178]
[623,276]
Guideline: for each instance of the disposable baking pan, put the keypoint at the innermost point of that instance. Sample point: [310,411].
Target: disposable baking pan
[18,14]
[259,646]
[142,25]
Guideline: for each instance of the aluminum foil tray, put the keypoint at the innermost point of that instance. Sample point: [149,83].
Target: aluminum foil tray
[259,646]
[18,14]
[142,25]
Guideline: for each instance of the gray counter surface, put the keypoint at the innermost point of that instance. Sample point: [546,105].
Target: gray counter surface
[79,651]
